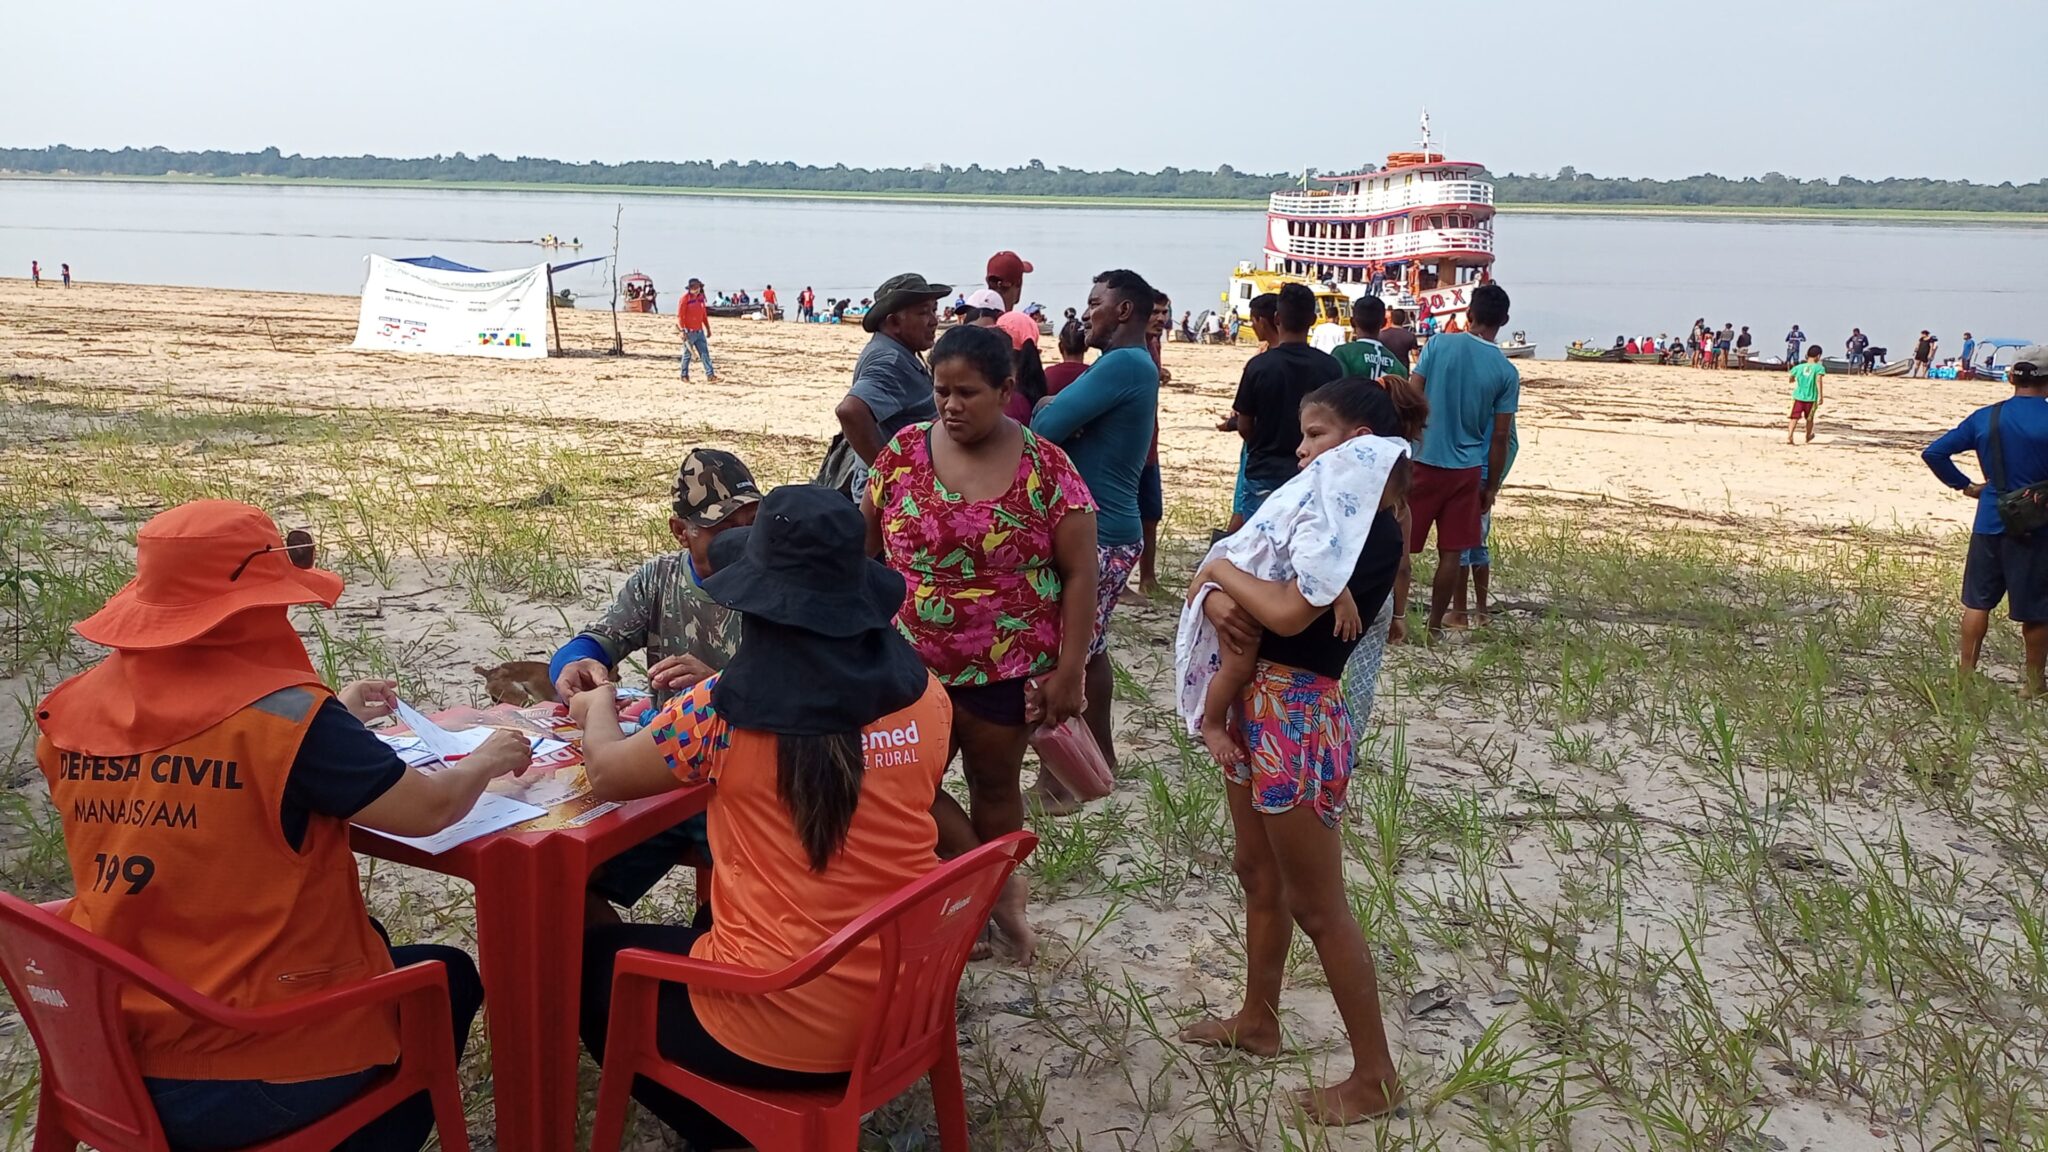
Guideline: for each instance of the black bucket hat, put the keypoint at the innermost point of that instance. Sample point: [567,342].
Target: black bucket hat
[804,564]
[899,292]
[819,652]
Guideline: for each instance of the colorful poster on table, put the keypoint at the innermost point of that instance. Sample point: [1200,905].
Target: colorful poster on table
[407,308]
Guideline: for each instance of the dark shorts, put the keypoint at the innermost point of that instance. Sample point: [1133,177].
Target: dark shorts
[2000,567]
[632,874]
[1801,408]
[998,702]
[1449,499]
[1151,497]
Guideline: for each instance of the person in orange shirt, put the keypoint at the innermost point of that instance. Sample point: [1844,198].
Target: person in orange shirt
[206,780]
[768,298]
[824,739]
[693,320]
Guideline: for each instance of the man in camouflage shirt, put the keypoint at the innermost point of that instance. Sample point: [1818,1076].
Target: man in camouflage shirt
[663,609]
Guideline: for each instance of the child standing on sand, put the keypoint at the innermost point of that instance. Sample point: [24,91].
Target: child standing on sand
[1806,392]
[1287,749]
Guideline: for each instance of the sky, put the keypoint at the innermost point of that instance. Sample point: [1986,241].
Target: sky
[1869,88]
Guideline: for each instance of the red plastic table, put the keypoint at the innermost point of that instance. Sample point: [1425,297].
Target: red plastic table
[529,928]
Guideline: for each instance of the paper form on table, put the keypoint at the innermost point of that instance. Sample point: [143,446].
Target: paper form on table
[493,813]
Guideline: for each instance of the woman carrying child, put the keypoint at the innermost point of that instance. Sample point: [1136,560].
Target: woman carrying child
[1273,616]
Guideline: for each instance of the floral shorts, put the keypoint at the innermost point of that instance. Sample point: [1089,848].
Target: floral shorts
[1113,564]
[1298,731]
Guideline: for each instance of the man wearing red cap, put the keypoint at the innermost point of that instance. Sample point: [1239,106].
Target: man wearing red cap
[1006,277]
[206,781]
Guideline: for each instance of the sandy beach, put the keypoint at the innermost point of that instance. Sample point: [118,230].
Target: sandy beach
[1671,440]
[1700,846]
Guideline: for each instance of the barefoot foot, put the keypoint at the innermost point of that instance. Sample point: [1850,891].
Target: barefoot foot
[1010,919]
[1220,738]
[1348,1101]
[1254,1037]
[1049,798]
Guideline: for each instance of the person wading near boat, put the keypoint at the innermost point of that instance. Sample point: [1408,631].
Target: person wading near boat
[1104,420]
[892,385]
[2001,563]
[1742,346]
[243,888]
[1473,391]
[693,320]
[806,305]
[1795,345]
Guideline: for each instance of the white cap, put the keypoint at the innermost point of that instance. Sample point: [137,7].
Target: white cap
[986,298]
[2031,364]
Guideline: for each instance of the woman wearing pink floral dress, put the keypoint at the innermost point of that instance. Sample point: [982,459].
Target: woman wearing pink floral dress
[994,531]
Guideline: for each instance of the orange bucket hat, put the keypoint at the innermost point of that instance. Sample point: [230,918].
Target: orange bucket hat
[200,563]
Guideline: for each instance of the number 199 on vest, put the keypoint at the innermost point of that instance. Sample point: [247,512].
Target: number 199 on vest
[135,871]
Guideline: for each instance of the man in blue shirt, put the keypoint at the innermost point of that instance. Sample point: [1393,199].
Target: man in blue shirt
[1969,349]
[1104,420]
[2001,565]
[1473,392]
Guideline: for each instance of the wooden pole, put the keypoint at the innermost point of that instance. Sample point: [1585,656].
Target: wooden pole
[554,325]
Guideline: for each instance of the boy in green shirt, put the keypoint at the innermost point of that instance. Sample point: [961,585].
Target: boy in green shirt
[1365,356]
[1806,392]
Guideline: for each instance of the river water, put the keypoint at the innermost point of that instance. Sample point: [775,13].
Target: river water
[1571,277]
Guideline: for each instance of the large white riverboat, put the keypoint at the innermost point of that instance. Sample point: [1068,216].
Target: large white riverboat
[1418,233]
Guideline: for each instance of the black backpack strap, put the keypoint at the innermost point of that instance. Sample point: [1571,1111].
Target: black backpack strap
[1997,468]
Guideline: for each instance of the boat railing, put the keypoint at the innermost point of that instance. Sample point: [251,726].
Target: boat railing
[1377,202]
[1402,245]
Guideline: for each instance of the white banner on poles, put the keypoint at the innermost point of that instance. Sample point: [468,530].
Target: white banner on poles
[407,308]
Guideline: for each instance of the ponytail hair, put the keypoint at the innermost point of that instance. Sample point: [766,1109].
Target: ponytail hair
[1409,404]
[1073,337]
[1030,373]
[818,779]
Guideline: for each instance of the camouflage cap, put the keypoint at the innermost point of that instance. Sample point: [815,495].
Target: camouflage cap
[710,486]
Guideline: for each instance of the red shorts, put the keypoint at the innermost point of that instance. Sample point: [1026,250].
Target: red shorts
[1803,407]
[1449,499]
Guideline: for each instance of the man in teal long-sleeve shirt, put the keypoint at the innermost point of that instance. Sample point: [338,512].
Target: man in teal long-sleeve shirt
[1104,420]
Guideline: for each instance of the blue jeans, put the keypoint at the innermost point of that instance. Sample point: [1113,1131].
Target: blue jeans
[695,339]
[214,1115]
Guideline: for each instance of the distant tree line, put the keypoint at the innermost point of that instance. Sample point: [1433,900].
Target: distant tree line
[1035,178]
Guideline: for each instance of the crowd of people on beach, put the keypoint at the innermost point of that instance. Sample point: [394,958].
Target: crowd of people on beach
[948,582]
[944,588]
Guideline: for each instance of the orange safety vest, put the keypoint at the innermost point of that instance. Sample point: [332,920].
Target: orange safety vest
[178,856]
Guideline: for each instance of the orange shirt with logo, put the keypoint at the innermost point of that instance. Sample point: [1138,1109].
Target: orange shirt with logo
[770,908]
[179,857]
[691,314]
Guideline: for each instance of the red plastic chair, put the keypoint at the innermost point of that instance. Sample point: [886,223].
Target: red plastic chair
[68,982]
[926,930]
